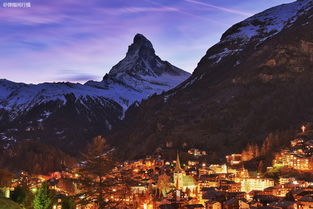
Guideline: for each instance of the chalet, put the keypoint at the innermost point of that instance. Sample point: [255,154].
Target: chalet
[236,204]
[305,202]
[213,205]
[284,205]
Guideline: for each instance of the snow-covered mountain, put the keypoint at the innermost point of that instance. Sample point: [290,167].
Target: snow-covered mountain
[268,23]
[62,109]
[140,74]
[249,34]
[19,98]
[258,28]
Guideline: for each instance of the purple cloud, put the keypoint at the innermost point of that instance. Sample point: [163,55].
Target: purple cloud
[224,9]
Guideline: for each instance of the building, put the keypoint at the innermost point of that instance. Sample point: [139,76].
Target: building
[230,186]
[296,142]
[259,184]
[139,188]
[283,204]
[219,168]
[283,180]
[305,202]
[278,190]
[193,206]
[299,156]
[213,205]
[183,182]
[296,161]
[197,152]
[234,159]
[236,204]
[209,181]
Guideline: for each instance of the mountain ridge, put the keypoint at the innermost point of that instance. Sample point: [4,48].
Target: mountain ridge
[234,98]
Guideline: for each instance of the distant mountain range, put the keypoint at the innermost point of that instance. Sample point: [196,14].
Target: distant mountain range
[256,80]
[69,114]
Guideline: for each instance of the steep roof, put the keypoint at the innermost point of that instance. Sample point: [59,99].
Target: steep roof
[178,167]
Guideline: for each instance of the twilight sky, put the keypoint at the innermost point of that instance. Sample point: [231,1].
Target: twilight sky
[76,40]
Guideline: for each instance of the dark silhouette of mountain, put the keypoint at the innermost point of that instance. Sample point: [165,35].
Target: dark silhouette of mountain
[256,80]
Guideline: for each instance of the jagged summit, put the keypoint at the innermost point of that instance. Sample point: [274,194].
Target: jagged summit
[141,47]
[141,60]
[140,38]
[139,53]
[140,44]
[140,74]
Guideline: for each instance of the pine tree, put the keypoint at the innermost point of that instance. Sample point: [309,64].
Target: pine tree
[99,180]
[5,178]
[43,198]
[267,144]
[256,151]
[68,203]
[19,195]
[260,167]
[250,152]
[23,196]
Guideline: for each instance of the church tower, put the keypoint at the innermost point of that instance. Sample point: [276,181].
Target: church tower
[178,174]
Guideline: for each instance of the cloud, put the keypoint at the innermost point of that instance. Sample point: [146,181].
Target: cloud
[75,76]
[129,10]
[182,11]
[81,78]
[224,9]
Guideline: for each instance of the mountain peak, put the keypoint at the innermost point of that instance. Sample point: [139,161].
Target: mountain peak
[141,39]
[141,47]
[140,71]
[141,60]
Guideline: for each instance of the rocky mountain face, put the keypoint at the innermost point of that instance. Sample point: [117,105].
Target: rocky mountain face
[256,80]
[67,115]
[140,74]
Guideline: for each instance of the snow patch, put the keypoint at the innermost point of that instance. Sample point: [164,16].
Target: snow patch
[225,52]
